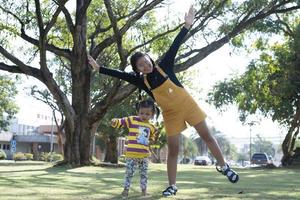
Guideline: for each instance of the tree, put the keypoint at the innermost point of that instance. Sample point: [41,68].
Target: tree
[8,107]
[228,149]
[241,157]
[189,149]
[49,30]
[270,84]
[110,135]
[160,142]
[263,146]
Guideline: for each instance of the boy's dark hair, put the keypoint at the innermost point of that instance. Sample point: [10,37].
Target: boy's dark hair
[148,104]
[134,58]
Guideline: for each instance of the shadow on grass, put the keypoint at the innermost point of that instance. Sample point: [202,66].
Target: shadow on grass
[106,183]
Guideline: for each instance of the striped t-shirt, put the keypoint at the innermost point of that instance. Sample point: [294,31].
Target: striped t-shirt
[140,133]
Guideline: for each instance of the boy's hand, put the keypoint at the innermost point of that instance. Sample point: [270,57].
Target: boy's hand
[114,122]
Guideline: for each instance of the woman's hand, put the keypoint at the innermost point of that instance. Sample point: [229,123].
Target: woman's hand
[189,17]
[93,63]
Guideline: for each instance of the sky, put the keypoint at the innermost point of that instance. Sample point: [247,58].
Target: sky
[217,66]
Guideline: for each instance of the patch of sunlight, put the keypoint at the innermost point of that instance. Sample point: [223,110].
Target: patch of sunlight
[194,190]
[295,192]
[111,179]
[57,190]
[23,175]
[90,169]
[215,182]
[254,175]
[23,168]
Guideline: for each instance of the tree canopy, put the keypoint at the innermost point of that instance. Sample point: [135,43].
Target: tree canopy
[271,83]
[8,106]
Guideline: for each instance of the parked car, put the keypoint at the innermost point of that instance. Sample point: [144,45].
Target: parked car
[260,159]
[185,161]
[202,160]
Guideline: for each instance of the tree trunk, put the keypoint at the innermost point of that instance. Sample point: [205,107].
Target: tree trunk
[111,150]
[78,139]
[285,148]
[78,143]
[156,155]
[288,143]
[60,140]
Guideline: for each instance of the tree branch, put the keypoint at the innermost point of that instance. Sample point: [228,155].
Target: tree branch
[22,68]
[39,15]
[50,24]
[156,37]
[19,66]
[14,15]
[69,20]
[60,52]
[81,10]
[97,111]
[287,30]
[242,25]
[108,41]
[117,34]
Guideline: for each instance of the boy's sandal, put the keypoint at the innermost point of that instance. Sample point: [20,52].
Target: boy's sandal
[232,176]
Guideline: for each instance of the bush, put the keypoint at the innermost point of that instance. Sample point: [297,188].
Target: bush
[19,156]
[122,159]
[29,156]
[43,156]
[2,155]
[53,157]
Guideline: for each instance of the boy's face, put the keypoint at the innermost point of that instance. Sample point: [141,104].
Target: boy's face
[145,113]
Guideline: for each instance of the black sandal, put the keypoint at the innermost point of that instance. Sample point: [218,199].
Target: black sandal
[232,176]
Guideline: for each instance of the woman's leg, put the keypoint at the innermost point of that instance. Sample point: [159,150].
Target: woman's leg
[173,149]
[210,141]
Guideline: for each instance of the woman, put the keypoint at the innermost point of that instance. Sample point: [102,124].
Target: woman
[178,107]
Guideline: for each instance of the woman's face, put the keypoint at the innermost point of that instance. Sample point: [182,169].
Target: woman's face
[144,65]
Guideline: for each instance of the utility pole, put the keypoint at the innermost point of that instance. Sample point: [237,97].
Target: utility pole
[252,123]
[51,142]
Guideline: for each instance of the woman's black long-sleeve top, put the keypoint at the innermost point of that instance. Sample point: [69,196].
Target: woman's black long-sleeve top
[154,78]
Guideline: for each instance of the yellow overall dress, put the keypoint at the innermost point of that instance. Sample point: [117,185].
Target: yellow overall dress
[178,107]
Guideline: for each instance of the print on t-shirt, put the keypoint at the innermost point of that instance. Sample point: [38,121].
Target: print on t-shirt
[143,137]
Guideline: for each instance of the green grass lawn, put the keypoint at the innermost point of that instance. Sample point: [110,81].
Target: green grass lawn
[41,181]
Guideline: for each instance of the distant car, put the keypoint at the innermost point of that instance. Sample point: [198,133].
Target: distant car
[260,159]
[202,160]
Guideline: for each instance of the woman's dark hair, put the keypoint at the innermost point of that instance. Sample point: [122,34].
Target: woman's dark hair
[148,104]
[134,58]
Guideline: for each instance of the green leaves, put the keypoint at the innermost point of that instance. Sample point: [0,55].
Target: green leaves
[270,84]
[8,107]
